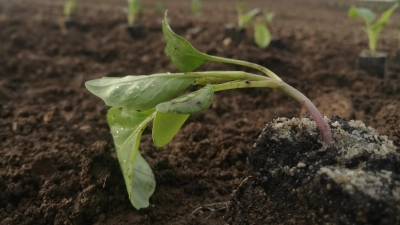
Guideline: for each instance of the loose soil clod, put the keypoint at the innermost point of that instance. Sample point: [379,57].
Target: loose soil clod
[292,178]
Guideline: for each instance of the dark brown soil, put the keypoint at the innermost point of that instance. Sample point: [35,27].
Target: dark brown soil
[57,161]
[291,178]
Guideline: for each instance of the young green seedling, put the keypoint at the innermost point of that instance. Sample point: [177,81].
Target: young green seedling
[262,35]
[69,8]
[134,7]
[137,100]
[372,29]
[244,18]
[159,8]
[196,6]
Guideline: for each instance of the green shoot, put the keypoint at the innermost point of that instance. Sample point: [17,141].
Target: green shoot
[262,35]
[244,18]
[196,7]
[69,8]
[268,16]
[137,100]
[372,29]
[134,7]
[159,7]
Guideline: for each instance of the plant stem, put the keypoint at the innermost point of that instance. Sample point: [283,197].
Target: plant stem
[322,125]
[230,75]
[242,79]
[244,63]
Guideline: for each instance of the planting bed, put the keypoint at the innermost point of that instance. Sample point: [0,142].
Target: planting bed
[57,160]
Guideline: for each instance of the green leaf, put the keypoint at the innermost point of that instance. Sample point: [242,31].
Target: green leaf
[69,7]
[126,128]
[249,15]
[384,19]
[190,103]
[366,14]
[240,6]
[262,36]
[134,6]
[269,16]
[181,53]
[165,127]
[196,7]
[138,92]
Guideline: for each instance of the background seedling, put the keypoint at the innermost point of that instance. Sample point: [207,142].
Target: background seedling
[159,7]
[244,18]
[196,7]
[372,29]
[137,100]
[262,34]
[69,8]
[134,8]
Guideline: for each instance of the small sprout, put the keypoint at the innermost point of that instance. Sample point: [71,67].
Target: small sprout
[138,100]
[262,35]
[69,8]
[134,7]
[372,29]
[244,18]
[196,7]
[159,7]
[268,16]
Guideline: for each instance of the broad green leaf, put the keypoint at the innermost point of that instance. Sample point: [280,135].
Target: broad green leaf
[126,128]
[386,15]
[262,36]
[165,127]
[181,53]
[190,103]
[366,14]
[138,92]
[249,15]
[384,19]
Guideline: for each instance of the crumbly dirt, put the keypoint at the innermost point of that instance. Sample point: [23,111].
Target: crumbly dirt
[291,178]
[57,161]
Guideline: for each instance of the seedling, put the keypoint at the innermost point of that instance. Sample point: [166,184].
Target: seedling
[159,7]
[66,22]
[372,29]
[134,8]
[137,100]
[196,7]
[262,35]
[373,62]
[69,8]
[244,18]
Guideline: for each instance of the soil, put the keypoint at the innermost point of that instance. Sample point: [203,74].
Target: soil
[57,160]
[293,179]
